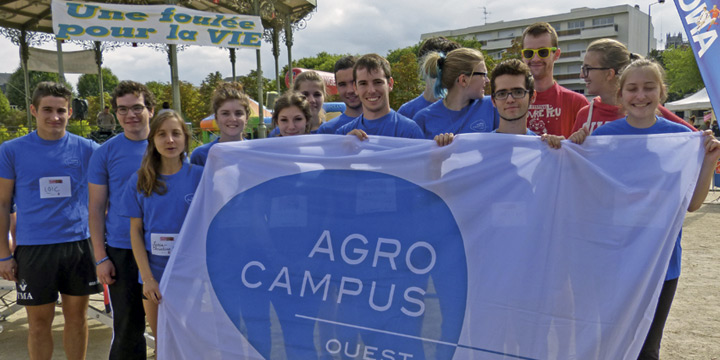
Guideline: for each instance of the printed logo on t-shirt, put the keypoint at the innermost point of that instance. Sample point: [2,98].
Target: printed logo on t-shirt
[479,126]
[72,162]
[541,116]
[189,197]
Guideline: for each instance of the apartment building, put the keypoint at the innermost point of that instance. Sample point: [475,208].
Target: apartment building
[576,30]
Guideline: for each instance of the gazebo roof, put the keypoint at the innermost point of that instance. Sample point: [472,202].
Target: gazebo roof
[36,15]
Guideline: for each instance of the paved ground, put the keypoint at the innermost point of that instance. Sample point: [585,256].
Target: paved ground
[692,331]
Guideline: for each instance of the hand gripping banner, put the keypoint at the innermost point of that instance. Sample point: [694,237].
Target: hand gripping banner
[495,247]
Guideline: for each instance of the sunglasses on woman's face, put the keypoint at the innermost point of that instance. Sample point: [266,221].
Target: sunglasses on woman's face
[541,52]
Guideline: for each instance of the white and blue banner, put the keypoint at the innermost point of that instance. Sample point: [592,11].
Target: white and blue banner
[494,247]
[158,24]
[701,21]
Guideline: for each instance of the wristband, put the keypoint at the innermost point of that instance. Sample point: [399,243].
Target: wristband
[7,258]
[102,261]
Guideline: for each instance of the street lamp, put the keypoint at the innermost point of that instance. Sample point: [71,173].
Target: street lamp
[650,23]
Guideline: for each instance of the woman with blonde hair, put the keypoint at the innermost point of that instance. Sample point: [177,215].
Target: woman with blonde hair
[641,89]
[601,70]
[463,107]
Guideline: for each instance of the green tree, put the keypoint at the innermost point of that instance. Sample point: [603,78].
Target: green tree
[94,106]
[88,83]
[80,127]
[16,85]
[322,62]
[192,106]
[683,74]
[207,87]
[161,91]
[407,85]
[249,83]
[5,110]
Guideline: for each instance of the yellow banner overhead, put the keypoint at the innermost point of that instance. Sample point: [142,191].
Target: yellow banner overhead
[165,24]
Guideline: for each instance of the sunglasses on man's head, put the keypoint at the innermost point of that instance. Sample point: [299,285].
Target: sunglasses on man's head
[542,52]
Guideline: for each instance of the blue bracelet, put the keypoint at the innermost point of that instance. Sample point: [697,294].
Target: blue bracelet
[7,258]
[102,261]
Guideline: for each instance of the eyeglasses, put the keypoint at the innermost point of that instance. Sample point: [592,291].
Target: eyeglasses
[123,110]
[480,73]
[586,69]
[517,93]
[541,52]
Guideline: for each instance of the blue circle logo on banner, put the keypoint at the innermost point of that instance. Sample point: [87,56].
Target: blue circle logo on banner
[356,263]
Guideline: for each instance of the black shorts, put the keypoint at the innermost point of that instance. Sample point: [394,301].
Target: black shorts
[45,270]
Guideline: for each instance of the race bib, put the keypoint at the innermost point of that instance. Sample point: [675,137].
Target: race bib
[55,187]
[162,244]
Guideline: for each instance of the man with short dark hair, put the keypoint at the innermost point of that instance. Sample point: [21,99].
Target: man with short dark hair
[45,174]
[346,91]
[433,44]
[373,83]
[555,107]
[110,168]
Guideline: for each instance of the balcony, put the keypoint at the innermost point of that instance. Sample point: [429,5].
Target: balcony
[602,31]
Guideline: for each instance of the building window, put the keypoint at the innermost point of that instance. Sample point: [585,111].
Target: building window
[603,21]
[573,69]
[577,24]
[556,26]
[576,46]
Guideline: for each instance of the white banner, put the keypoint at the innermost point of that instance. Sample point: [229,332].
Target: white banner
[74,62]
[168,24]
[495,247]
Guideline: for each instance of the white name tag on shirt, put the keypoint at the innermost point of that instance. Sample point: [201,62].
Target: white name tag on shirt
[55,187]
[162,244]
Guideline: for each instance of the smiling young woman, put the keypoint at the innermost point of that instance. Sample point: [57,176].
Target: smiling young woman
[156,200]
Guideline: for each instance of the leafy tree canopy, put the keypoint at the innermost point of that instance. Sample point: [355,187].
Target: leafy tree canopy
[88,83]
[16,85]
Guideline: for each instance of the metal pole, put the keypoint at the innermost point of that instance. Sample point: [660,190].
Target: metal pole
[276,54]
[261,129]
[172,57]
[61,68]
[98,60]
[289,44]
[650,32]
[24,54]
[232,61]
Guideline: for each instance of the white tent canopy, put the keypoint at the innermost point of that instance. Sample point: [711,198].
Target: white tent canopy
[697,101]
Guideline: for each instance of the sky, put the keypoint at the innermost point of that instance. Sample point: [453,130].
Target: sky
[341,27]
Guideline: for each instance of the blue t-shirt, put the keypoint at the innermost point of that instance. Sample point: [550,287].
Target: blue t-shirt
[162,214]
[51,191]
[661,126]
[200,154]
[333,125]
[479,116]
[412,107]
[527,132]
[112,165]
[392,124]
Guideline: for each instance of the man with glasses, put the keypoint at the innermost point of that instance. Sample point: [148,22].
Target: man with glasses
[555,107]
[110,168]
[512,92]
